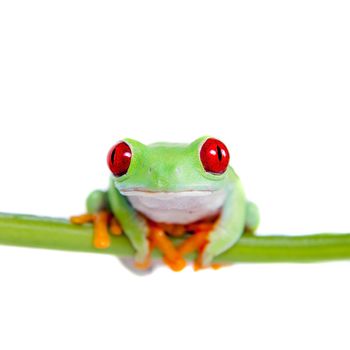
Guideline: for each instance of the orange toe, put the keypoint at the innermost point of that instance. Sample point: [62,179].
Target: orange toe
[101,238]
[217,266]
[144,265]
[114,227]
[197,264]
[101,242]
[82,219]
[176,265]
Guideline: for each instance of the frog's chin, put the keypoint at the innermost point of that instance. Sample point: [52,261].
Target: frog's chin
[165,194]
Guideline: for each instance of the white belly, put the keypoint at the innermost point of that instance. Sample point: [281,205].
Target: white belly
[176,207]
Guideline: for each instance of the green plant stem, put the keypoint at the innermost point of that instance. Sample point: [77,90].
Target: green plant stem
[51,233]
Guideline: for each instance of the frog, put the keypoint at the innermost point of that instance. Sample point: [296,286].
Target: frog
[164,189]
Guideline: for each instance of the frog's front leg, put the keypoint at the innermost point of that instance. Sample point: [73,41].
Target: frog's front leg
[134,225]
[228,229]
[214,239]
[99,214]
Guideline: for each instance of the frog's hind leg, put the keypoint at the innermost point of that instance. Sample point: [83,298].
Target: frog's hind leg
[252,218]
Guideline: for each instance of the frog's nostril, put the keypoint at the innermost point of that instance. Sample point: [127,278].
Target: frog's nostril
[162,183]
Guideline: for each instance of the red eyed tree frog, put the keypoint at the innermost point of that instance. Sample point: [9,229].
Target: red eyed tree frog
[167,189]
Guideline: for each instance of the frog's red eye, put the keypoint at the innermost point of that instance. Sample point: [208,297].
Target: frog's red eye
[214,156]
[119,158]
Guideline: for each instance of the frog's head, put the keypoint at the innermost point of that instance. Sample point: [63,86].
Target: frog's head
[198,167]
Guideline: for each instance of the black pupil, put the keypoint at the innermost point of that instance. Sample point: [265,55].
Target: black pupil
[112,156]
[218,150]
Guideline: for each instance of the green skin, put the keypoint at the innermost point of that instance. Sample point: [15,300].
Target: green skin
[159,162]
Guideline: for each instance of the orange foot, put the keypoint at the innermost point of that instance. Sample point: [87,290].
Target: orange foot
[171,256]
[197,242]
[101,221]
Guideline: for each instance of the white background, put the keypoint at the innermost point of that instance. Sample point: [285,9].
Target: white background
[269,78]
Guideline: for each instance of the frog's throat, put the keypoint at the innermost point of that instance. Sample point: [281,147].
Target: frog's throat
[181,207]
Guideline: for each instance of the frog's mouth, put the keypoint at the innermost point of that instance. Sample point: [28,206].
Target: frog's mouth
[164,194]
